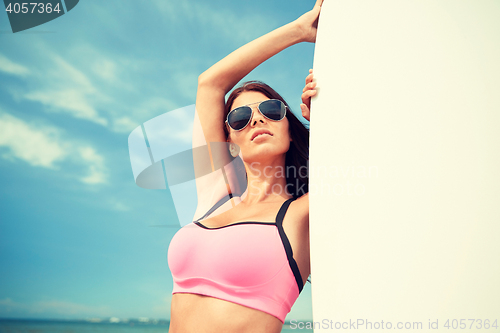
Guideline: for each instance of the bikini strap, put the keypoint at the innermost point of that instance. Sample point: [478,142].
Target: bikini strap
[286,244]
[219,203]
[282,211]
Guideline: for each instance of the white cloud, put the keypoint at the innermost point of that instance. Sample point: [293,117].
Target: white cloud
[64,88]
[124,125]
[44,146]
[72,101]
[117,91]
[37,146]
[65,72]
[10,67]
[155,105]
[105,69]
[61,87]
[97,171]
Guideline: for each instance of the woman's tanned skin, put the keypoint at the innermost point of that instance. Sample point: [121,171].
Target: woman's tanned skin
[198,313]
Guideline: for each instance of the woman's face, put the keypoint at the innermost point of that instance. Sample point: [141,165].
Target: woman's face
[276,142]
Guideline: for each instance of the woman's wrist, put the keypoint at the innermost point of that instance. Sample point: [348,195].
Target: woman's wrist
[307,24]
[297,31]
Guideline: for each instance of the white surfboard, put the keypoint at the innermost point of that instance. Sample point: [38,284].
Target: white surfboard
[405,166]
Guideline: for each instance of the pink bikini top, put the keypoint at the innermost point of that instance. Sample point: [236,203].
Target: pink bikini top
[249,263]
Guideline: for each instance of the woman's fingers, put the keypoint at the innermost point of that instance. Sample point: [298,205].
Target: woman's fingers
[309,82]
[305,112]
[307,93]
[309,79]
[317,7]
[308,22]
[309,85]
[306,96]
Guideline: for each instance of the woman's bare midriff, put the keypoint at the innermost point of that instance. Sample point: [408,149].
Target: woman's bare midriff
[203,314]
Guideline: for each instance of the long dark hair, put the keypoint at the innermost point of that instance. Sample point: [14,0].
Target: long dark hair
[297,156]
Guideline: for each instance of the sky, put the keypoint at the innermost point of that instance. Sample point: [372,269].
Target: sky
[78,237]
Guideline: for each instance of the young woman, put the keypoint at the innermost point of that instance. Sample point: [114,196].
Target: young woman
[242,270]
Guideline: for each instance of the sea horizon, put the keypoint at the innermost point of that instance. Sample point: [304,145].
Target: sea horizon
[105,324]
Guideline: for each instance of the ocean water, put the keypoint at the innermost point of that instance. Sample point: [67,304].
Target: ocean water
[49,326]
[52,326]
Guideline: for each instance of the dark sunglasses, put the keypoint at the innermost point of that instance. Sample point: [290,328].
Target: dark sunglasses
[272,109]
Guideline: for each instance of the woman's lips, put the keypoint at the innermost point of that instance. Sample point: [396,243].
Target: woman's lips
[261,135]
[259,132]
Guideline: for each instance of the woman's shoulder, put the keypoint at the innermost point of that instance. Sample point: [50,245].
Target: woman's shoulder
[300,209]
[302,202]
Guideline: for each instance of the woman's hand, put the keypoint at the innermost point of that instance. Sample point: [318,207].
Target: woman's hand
[308,23]
[307,93]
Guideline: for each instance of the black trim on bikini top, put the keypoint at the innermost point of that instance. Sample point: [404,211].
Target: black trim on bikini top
[279,224]
[219,203]
[286,243]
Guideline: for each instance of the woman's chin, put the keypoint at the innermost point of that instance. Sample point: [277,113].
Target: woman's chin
[261,155]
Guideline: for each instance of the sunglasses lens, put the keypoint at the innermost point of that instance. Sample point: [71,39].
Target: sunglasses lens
[273,109]
[239,117]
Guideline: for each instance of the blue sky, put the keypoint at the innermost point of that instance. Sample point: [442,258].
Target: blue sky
[76,233]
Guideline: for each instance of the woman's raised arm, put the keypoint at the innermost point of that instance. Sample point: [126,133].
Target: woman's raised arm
[219,79]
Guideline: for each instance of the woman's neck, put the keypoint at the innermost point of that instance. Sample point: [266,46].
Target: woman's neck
[267,181]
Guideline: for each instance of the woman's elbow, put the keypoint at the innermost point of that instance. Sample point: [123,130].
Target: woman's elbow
[211,83]
[203,79]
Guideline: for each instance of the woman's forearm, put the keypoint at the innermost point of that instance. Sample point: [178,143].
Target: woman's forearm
[227,72]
